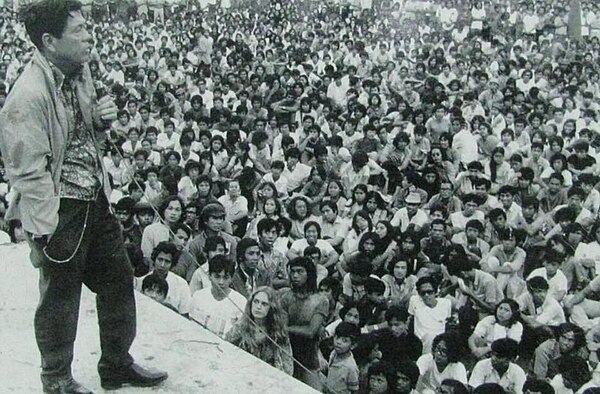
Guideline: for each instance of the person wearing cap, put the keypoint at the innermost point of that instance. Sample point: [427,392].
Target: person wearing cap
[212,223]
[491,95]
[411,214]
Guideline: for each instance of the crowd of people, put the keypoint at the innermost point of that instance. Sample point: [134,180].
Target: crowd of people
[367,196]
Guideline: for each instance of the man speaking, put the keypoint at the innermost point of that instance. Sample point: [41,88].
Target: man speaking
[49,130]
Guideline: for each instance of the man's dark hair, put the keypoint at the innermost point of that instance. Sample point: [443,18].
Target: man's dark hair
[347,330]
[396,312]
[489,388]
[506,348]
[211,243]
[155,281]
[220,263]
[374,285]
[334,285]
[166,248]
[266,224]
[426,279]
[311,271]
[47,16]
[538,386]
[242,246]
[457,387]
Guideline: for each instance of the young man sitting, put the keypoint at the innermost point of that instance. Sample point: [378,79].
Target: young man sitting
[164,256]
[217,308]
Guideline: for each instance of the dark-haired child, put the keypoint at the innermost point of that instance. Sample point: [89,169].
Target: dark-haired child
[342,374]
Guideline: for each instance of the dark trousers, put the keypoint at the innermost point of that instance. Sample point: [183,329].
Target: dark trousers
[101,263]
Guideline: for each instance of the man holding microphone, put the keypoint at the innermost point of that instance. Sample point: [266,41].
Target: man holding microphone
[50,128]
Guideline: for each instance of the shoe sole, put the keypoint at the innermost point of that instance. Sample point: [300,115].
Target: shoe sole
[116,386]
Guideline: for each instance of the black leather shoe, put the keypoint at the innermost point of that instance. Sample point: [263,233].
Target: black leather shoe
[66,386]
[134,375]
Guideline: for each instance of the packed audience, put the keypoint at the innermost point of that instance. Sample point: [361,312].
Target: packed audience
[371,196]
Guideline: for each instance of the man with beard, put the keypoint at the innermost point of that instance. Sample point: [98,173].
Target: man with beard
[307,310]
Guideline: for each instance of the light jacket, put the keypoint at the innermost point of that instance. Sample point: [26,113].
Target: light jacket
[33,140]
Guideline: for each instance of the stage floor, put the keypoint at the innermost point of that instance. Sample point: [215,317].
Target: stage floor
[197,361]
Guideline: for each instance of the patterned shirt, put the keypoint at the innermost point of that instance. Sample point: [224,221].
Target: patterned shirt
[81,175]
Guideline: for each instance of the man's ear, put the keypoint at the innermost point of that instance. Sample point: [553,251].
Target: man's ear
[48,42]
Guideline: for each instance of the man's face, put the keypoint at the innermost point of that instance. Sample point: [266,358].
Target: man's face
[73,48]
[251,257]
[554,185]
[378,384]
[203,189]
[575,201]
[427,294]
[500,364]
[298,276]
[469,209]
[215,223]
[181,238]
[162,263]
[328,214]
[155,294]
[437,231]
[221,280]
[506,199]
[403,385]
[472,233]
[145,218]
[268,237]
[398,327]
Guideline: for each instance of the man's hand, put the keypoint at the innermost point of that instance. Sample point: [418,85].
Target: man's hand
[106,110]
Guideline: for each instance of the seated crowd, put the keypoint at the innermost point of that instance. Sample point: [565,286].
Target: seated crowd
[367,196]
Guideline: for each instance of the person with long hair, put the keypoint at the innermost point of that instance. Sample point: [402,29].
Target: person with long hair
[263,332]
[400,282]
[498,169]
[171,213]
[307,310]
[335,193]
[299,213]
[361,223]
[504,323]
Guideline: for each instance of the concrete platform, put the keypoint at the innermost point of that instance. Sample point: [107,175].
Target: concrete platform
[197,360]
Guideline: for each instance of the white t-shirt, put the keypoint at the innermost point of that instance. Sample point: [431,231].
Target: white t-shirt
[217,316]
[431,378]
[178,295]
[402,220]
[429,322]
[490,330]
